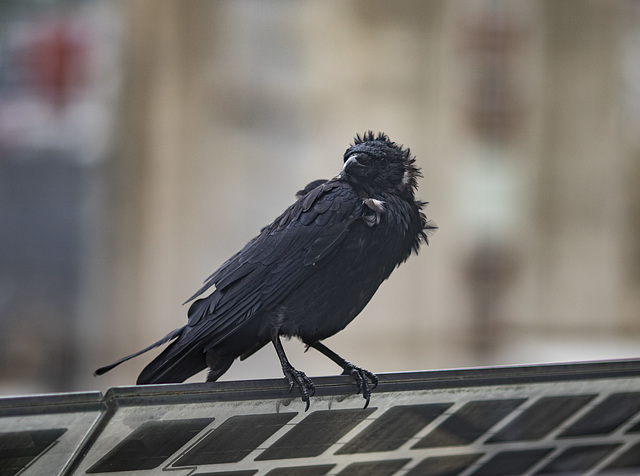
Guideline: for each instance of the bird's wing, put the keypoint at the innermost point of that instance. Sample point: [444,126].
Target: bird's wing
[275,262]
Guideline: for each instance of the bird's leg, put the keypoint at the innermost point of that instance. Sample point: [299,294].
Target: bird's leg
[360,375]
[292,375]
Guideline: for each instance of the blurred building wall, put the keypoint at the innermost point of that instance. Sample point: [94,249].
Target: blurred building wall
[514,109]
[511,107]
[59,77]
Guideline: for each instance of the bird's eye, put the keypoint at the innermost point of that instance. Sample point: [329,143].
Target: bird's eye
[364,159]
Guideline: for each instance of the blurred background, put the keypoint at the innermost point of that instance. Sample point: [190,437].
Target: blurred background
[142,142]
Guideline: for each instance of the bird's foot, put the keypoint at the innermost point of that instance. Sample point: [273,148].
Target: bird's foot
[296,377]
[362,378]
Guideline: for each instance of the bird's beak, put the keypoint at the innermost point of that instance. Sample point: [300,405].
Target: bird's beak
[350,162]
[351,165]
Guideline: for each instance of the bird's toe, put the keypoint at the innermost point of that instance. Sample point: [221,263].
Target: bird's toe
[362,378]
[304,383]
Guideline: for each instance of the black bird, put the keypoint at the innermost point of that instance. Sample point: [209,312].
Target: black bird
[307,275]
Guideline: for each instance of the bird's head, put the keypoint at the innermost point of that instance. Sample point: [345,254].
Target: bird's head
[376,163]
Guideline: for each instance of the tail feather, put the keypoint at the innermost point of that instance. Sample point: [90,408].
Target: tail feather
[218,364]
[171,335]
[175,364]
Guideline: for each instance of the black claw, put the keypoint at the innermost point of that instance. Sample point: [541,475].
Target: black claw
[373,377]
[366,403]
[362,378]
[296,377]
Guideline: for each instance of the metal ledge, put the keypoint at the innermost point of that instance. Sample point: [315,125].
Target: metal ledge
[565,418]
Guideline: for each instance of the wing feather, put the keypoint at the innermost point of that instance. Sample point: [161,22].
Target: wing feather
[274,263]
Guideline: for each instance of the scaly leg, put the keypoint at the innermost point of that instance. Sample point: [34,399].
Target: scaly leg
[360,375]
[292,375]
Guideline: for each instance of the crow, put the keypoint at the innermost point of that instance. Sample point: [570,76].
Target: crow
[306,275]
